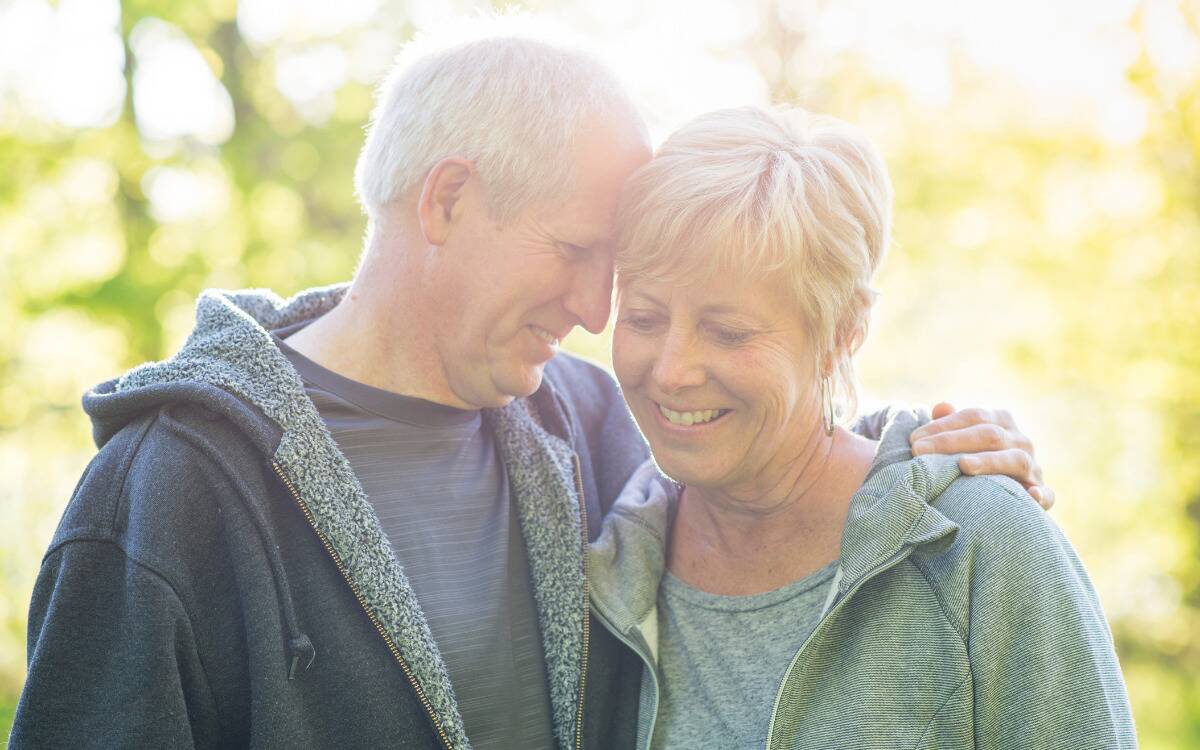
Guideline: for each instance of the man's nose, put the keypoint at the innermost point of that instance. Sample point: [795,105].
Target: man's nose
[590,298]
[680,363]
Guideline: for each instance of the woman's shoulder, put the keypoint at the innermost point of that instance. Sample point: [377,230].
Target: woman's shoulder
[1005,545]
[1045,669]
[994,510]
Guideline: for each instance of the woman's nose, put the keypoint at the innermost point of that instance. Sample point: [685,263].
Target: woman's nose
[679,365]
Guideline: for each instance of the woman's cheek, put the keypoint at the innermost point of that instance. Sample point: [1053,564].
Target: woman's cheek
[766,377]
[628,354]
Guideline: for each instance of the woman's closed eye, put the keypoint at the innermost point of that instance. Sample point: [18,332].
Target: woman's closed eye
[639,322]
[730,336]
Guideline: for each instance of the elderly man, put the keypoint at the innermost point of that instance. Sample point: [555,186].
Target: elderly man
[357,518]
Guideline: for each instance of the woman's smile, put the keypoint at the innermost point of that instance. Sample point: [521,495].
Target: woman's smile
[689,421]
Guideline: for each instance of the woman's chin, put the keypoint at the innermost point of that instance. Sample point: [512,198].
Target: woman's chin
[685,472]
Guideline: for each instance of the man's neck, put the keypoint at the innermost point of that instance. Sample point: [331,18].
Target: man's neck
[374,335]
[727,545]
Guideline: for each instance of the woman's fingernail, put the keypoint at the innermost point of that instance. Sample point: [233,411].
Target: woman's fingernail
[922,446]
[969,464]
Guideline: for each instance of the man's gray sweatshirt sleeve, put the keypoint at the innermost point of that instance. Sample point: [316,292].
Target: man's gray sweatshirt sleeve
[871,425]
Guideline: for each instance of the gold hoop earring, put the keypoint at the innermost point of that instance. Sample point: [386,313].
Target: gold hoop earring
[827,413]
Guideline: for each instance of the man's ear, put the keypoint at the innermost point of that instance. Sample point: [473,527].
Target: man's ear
[440,202]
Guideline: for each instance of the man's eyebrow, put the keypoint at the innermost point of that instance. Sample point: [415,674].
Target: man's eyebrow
[596,235]
[576,240]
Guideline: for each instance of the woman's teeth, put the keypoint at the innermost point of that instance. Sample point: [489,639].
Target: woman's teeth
[689,418]
[544,335]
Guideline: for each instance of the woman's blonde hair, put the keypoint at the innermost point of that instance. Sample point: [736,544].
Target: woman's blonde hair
[754,193]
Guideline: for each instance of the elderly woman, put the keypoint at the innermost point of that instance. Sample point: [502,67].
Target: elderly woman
[796,585]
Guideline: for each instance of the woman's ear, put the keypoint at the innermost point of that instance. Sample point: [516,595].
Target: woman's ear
[440,202]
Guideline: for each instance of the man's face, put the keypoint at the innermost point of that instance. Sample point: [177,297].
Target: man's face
[511,293]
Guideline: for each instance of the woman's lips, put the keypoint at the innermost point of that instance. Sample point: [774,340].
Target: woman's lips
[689,420]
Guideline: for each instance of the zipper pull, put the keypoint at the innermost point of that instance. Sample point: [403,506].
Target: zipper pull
[303,655]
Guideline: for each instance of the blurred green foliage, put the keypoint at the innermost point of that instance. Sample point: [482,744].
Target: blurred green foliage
[1037,266]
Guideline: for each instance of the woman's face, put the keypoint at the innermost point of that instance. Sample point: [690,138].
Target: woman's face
[719,377]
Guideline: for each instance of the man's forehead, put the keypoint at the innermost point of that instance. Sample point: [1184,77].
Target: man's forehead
[593,205]
[605,156]
[584,219]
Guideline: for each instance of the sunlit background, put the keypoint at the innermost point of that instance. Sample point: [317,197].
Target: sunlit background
[1046,156]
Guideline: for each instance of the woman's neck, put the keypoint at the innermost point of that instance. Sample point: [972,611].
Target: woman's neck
[751,539]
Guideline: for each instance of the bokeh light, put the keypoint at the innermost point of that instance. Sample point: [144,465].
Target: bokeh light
[1045,155]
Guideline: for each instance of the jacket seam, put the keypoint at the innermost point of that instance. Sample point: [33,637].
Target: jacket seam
[126,467]
[942,707]
[638,521]
[938,597]
[216,472]
[110,530]
[126,461]
[154,572]
[995,481]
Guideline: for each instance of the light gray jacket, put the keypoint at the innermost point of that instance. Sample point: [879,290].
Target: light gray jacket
[960,616]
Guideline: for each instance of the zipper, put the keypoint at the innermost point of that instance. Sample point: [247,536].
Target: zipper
[337,561]
[885,565]
[583,530]
[620,636]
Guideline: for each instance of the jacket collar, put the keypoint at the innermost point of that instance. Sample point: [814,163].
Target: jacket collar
[890,515]
[892,511]
[231,351]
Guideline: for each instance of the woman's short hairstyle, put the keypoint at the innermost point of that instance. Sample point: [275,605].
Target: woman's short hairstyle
[510,104]
[754,193]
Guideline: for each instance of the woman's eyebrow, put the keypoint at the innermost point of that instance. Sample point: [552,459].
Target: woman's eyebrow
[721,308]
[647,297]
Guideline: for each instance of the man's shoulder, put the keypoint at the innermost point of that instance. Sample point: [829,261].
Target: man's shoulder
[150,478]
[577,377]
[609,443]
[589,390]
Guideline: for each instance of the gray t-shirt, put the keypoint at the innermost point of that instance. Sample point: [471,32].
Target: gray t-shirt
[434,477]
[721,659]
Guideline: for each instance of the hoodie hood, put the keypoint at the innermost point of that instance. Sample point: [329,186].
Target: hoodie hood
[231,365]
[891,514]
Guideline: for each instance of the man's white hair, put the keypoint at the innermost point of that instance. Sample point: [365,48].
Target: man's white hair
[754,193]
[493,94]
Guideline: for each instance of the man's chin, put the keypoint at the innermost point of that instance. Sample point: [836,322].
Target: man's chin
[521,383]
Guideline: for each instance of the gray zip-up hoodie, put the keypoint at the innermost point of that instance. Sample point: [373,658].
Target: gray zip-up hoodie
[959,616]
[219,578]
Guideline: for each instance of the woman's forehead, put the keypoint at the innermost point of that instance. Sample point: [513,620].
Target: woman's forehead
[729,291]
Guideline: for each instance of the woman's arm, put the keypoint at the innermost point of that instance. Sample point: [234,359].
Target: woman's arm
[1044,669]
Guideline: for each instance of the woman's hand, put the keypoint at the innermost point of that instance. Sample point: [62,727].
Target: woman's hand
[993,441]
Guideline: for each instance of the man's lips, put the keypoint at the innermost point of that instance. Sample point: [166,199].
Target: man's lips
[552,338]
